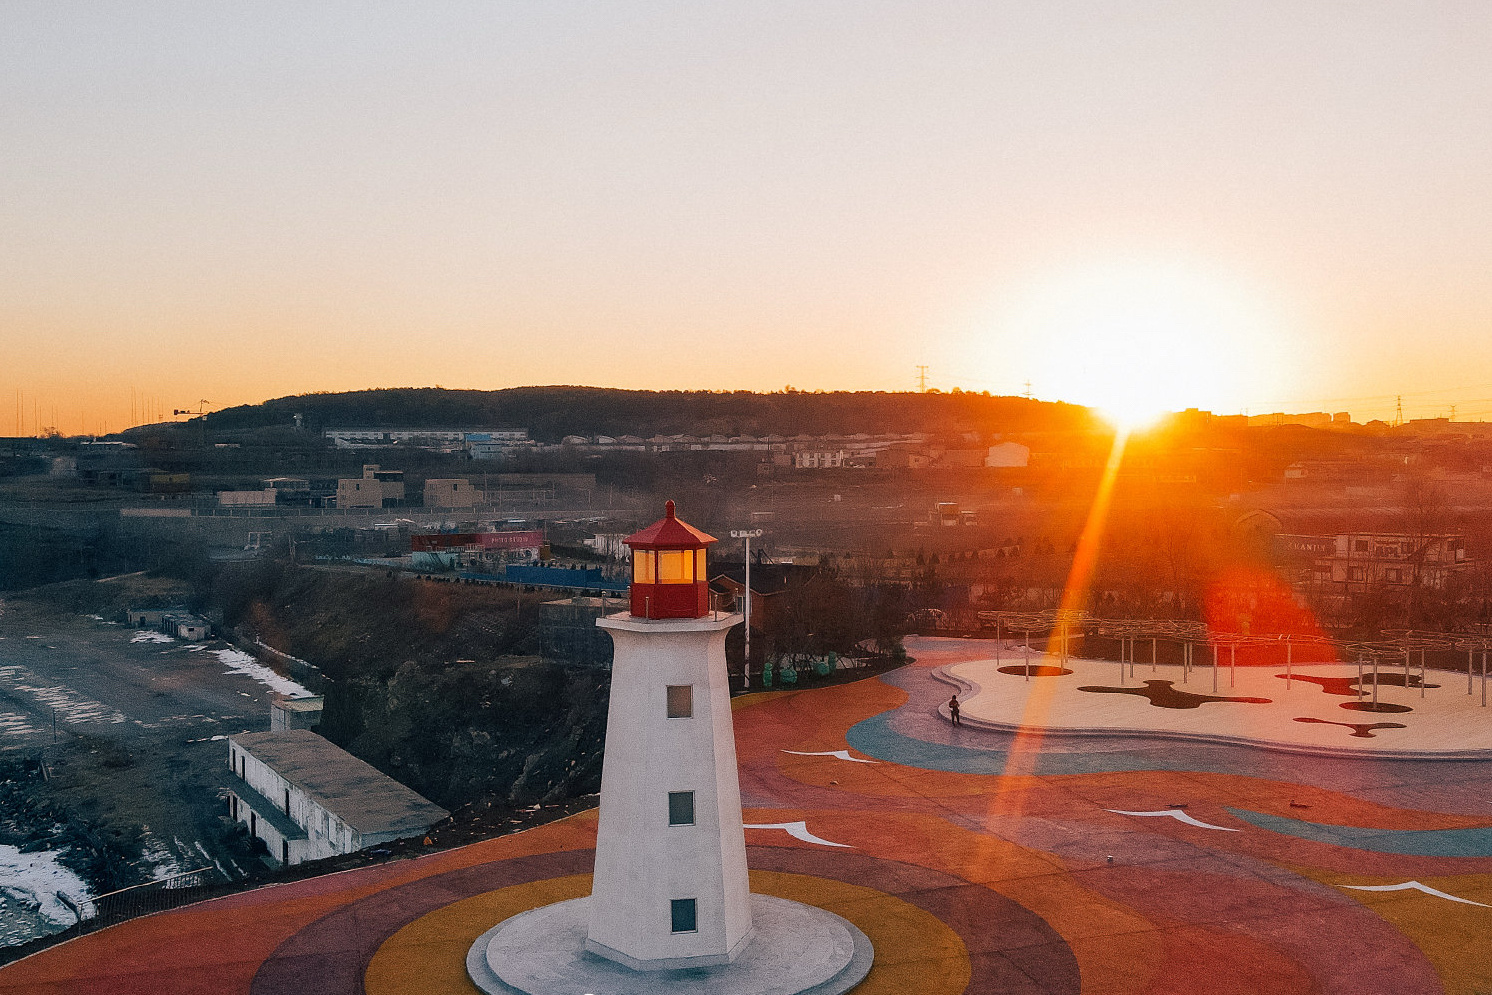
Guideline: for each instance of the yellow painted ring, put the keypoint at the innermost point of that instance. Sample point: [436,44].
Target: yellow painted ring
[915,951]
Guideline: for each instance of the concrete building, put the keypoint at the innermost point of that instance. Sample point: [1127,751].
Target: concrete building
[451,492]
[176,622]
[376,488]
[189,627]
[307,798]
[903,457]
[819,459]
[263,498]
[611,545]
[295,713]
[1362,560]
[483,552]
[1351,563]
[1007,454]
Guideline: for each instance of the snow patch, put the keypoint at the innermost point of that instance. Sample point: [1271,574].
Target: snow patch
[162,860]
[34,880]
[146,636]
[239,662]
[68,704]
[15,724]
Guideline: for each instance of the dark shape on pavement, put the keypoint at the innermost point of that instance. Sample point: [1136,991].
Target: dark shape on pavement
[1360,729]
[1019,670]
[1163,695]
[1369,706]
[1347,686]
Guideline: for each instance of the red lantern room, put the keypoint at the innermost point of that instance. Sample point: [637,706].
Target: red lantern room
[668,569]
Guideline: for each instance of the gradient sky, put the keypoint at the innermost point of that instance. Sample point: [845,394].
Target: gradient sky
[236,201]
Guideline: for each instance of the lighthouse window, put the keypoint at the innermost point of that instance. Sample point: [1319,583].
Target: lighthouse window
[681,808]
[685,915]
[680,701]
[676,566]
[644,567]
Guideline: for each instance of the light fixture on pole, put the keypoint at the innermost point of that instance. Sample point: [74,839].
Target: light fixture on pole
[748,535]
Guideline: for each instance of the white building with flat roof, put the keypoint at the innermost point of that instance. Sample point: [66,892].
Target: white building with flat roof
[308,798]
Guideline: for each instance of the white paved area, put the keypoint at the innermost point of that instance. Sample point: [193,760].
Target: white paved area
[797,950]
[1441,719]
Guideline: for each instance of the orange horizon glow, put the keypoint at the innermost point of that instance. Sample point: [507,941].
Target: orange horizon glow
[240,202]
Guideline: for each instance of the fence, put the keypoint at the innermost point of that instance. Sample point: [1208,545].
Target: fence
[143,899]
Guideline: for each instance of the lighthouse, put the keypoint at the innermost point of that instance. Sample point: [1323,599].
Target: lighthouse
[670,887]
[670,907]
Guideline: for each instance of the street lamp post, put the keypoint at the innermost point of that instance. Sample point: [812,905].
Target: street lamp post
[748,535]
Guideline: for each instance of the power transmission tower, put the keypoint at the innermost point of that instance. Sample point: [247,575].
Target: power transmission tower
[922,379]
[1398,409]
[1028,389]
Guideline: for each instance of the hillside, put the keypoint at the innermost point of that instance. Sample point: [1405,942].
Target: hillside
[428,683]
[550,413]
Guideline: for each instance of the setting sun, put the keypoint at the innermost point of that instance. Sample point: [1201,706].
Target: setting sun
[1137,340]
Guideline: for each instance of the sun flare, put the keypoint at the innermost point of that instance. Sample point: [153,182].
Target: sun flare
[1138,340]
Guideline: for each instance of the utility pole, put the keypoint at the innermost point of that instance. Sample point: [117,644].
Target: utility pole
[922,379]
[748,535]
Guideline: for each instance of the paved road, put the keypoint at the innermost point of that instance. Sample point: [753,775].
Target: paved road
[100,679]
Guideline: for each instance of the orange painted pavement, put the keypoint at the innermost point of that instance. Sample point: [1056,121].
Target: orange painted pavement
[1018,884]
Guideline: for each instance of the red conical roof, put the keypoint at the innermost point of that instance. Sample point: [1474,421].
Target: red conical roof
[669,532]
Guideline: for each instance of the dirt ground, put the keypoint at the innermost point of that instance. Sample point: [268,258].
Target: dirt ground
[130,731]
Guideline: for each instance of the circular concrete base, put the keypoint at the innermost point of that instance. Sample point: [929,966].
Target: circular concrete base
[797,950]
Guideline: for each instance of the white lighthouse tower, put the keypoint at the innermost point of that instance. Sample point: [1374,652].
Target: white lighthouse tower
[670,886]
[671,906]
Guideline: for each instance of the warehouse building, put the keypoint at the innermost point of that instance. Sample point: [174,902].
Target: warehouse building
[307,798]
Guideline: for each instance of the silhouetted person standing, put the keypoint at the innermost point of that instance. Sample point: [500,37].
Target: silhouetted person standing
[953,709]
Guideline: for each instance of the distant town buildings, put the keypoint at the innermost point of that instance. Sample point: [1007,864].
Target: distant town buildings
[611,545]
[451,492]
[1356,563]
[176,622]
[819,459]
[800,452]
[282,491]
[376,488]
[1007,454]
[307,798]
[479,552]
[441,439]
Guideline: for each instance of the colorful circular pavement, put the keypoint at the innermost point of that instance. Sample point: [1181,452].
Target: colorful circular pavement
[977,861]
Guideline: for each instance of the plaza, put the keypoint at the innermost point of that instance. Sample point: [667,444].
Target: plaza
[974,859]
